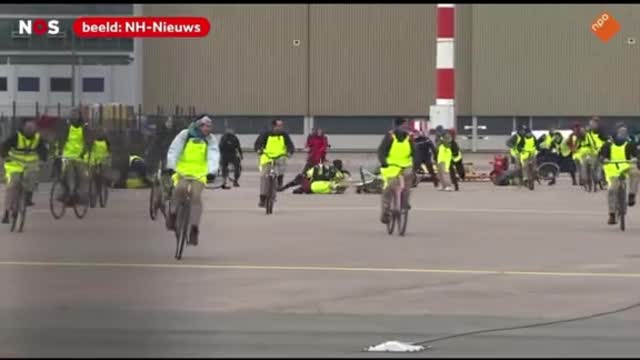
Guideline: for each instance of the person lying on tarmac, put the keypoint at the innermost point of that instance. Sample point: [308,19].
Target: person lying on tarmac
[619,149]
[321,179]
[133,174]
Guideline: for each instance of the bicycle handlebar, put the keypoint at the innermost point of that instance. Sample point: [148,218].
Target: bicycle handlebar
[193,178]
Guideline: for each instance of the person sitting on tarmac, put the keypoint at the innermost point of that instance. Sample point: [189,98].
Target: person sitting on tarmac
[320,179]
[550,148]
[133,175]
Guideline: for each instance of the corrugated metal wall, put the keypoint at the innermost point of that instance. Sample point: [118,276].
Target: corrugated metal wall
[544,60]
[372,59]
[247,65]
[522,60]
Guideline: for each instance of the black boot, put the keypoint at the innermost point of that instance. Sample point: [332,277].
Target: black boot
[632,199]
[552,182]
[5,218]
[262,201]
[612,219]
[193,235]
[235,183]
[29,199]
[384,218]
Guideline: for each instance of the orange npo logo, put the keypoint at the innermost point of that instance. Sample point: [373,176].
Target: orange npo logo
[605,27]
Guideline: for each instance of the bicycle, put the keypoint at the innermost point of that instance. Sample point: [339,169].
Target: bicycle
[161,191]
[271,176]
[66,199]
[621,195]
[18,209]
[183,216]
[98,187]
[398,211]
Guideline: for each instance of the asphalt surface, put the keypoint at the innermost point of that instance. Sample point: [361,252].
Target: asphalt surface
[322,278]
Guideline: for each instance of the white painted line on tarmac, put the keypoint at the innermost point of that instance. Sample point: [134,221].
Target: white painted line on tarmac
[319,269]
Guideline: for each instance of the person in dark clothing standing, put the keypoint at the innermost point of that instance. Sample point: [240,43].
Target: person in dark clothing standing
[425,152]
[230,153]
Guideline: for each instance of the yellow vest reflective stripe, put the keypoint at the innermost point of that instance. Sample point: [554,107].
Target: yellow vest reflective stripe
[193,160]
[400,152]
[25,150]
[444,154]
[99,150]
[75,143]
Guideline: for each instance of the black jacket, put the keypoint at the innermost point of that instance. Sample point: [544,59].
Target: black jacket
[12,142]
[261,141]
[425,149]
[230,146]
[387,140]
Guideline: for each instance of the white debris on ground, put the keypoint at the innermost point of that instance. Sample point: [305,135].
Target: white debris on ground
[395,346]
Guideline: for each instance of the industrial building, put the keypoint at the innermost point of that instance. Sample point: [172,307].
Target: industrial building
[40,74]
[350,68]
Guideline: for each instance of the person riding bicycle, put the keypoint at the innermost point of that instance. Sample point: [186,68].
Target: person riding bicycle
[21,152]
[100,152]
[273,145]
[74,141]
[597,137]
[550,145]
[619,149]
[527,151]
[396,156]
[194,153]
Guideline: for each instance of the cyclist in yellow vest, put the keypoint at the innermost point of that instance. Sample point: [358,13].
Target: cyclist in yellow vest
[444,159]
[193,153]
[597,138]
[73,144]
[274,145]
[619,149]
[512,144]
[22,152]
[397,156]
[528,150]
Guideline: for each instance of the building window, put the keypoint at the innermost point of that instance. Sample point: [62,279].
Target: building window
[3,84]
[60,84]
[29,84]
[93,85]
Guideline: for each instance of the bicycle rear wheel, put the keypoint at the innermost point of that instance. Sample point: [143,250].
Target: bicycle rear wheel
[57,207]
[93,191]
[16,208]
[589,178]
[403,216]
[103,192]
[531,181]
[153,201]
[391,214]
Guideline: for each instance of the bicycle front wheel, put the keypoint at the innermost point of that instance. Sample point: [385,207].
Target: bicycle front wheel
[57,199]
[16,210]
[182,228]
[271,195]
[80,209]
[622,204]
[93,192]
[153,201]
[403,216]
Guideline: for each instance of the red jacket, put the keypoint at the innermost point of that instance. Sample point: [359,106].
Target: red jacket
[318,146]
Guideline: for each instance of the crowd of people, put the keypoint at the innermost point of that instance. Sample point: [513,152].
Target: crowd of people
[196,154]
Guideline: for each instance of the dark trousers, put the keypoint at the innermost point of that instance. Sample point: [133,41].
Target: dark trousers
[457,169]
[224,164]
[430,169]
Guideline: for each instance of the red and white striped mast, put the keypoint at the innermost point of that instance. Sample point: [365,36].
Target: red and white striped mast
[445,67]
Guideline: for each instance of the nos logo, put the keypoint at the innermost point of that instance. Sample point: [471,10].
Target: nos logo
[39,27]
